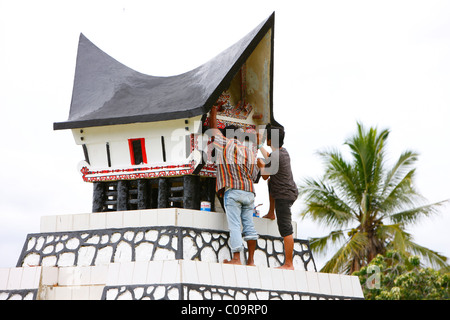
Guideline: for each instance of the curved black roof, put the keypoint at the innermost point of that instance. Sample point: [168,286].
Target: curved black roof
[106,92]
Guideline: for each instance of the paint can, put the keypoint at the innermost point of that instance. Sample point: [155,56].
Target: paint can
[256,211]
[205,206]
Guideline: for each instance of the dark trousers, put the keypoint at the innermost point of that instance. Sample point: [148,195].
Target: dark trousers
[284,216]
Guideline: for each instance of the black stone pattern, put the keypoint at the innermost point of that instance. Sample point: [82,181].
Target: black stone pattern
[188,291]
[170,238]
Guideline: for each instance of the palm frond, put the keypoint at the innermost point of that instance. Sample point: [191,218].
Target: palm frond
[342,260]
[318,245]
[402,167]
[432,257]
[341,174]
[401,196]
[396,238]
[411,216]
[367,149]
[401,241]
[324,205]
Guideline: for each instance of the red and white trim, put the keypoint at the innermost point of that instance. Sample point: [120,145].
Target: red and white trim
[144,172]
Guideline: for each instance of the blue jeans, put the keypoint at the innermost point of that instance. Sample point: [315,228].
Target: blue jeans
[239,206]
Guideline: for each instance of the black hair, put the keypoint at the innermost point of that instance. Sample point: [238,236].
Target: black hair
[280,134]
[236,131]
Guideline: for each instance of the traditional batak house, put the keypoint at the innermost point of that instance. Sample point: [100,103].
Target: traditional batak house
[142,136]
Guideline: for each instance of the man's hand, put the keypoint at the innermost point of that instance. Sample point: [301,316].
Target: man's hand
[258,137]
[259,140]
[261,164]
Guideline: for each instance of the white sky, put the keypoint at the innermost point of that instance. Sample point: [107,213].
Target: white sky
[384,63]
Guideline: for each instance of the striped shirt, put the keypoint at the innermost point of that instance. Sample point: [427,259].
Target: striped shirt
[236,164]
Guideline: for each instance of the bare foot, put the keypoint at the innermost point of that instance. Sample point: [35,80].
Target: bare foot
[232,261]
[270,215]
[252,264]
[286,267]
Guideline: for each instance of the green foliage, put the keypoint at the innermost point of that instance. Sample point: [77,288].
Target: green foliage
[367,204]
[396,276]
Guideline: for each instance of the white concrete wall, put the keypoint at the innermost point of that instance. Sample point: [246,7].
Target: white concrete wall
[20,278]
[151,217]
[87,283]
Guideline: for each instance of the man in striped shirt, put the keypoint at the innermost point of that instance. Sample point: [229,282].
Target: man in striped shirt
[236,172]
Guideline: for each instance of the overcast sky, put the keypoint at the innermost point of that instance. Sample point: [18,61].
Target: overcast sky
[384,63]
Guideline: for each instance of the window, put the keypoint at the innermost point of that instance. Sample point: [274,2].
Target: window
[137,151]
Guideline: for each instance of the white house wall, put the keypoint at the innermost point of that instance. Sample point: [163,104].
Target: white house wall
[173,131]
[97,154]
[154,150]
[121,157]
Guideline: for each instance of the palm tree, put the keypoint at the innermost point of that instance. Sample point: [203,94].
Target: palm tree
[367,205]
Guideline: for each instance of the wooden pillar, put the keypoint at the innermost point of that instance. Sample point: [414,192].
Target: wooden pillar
[99,197]
[152,193]
[163,193]
[142,195]
[122,195]
[191,192]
